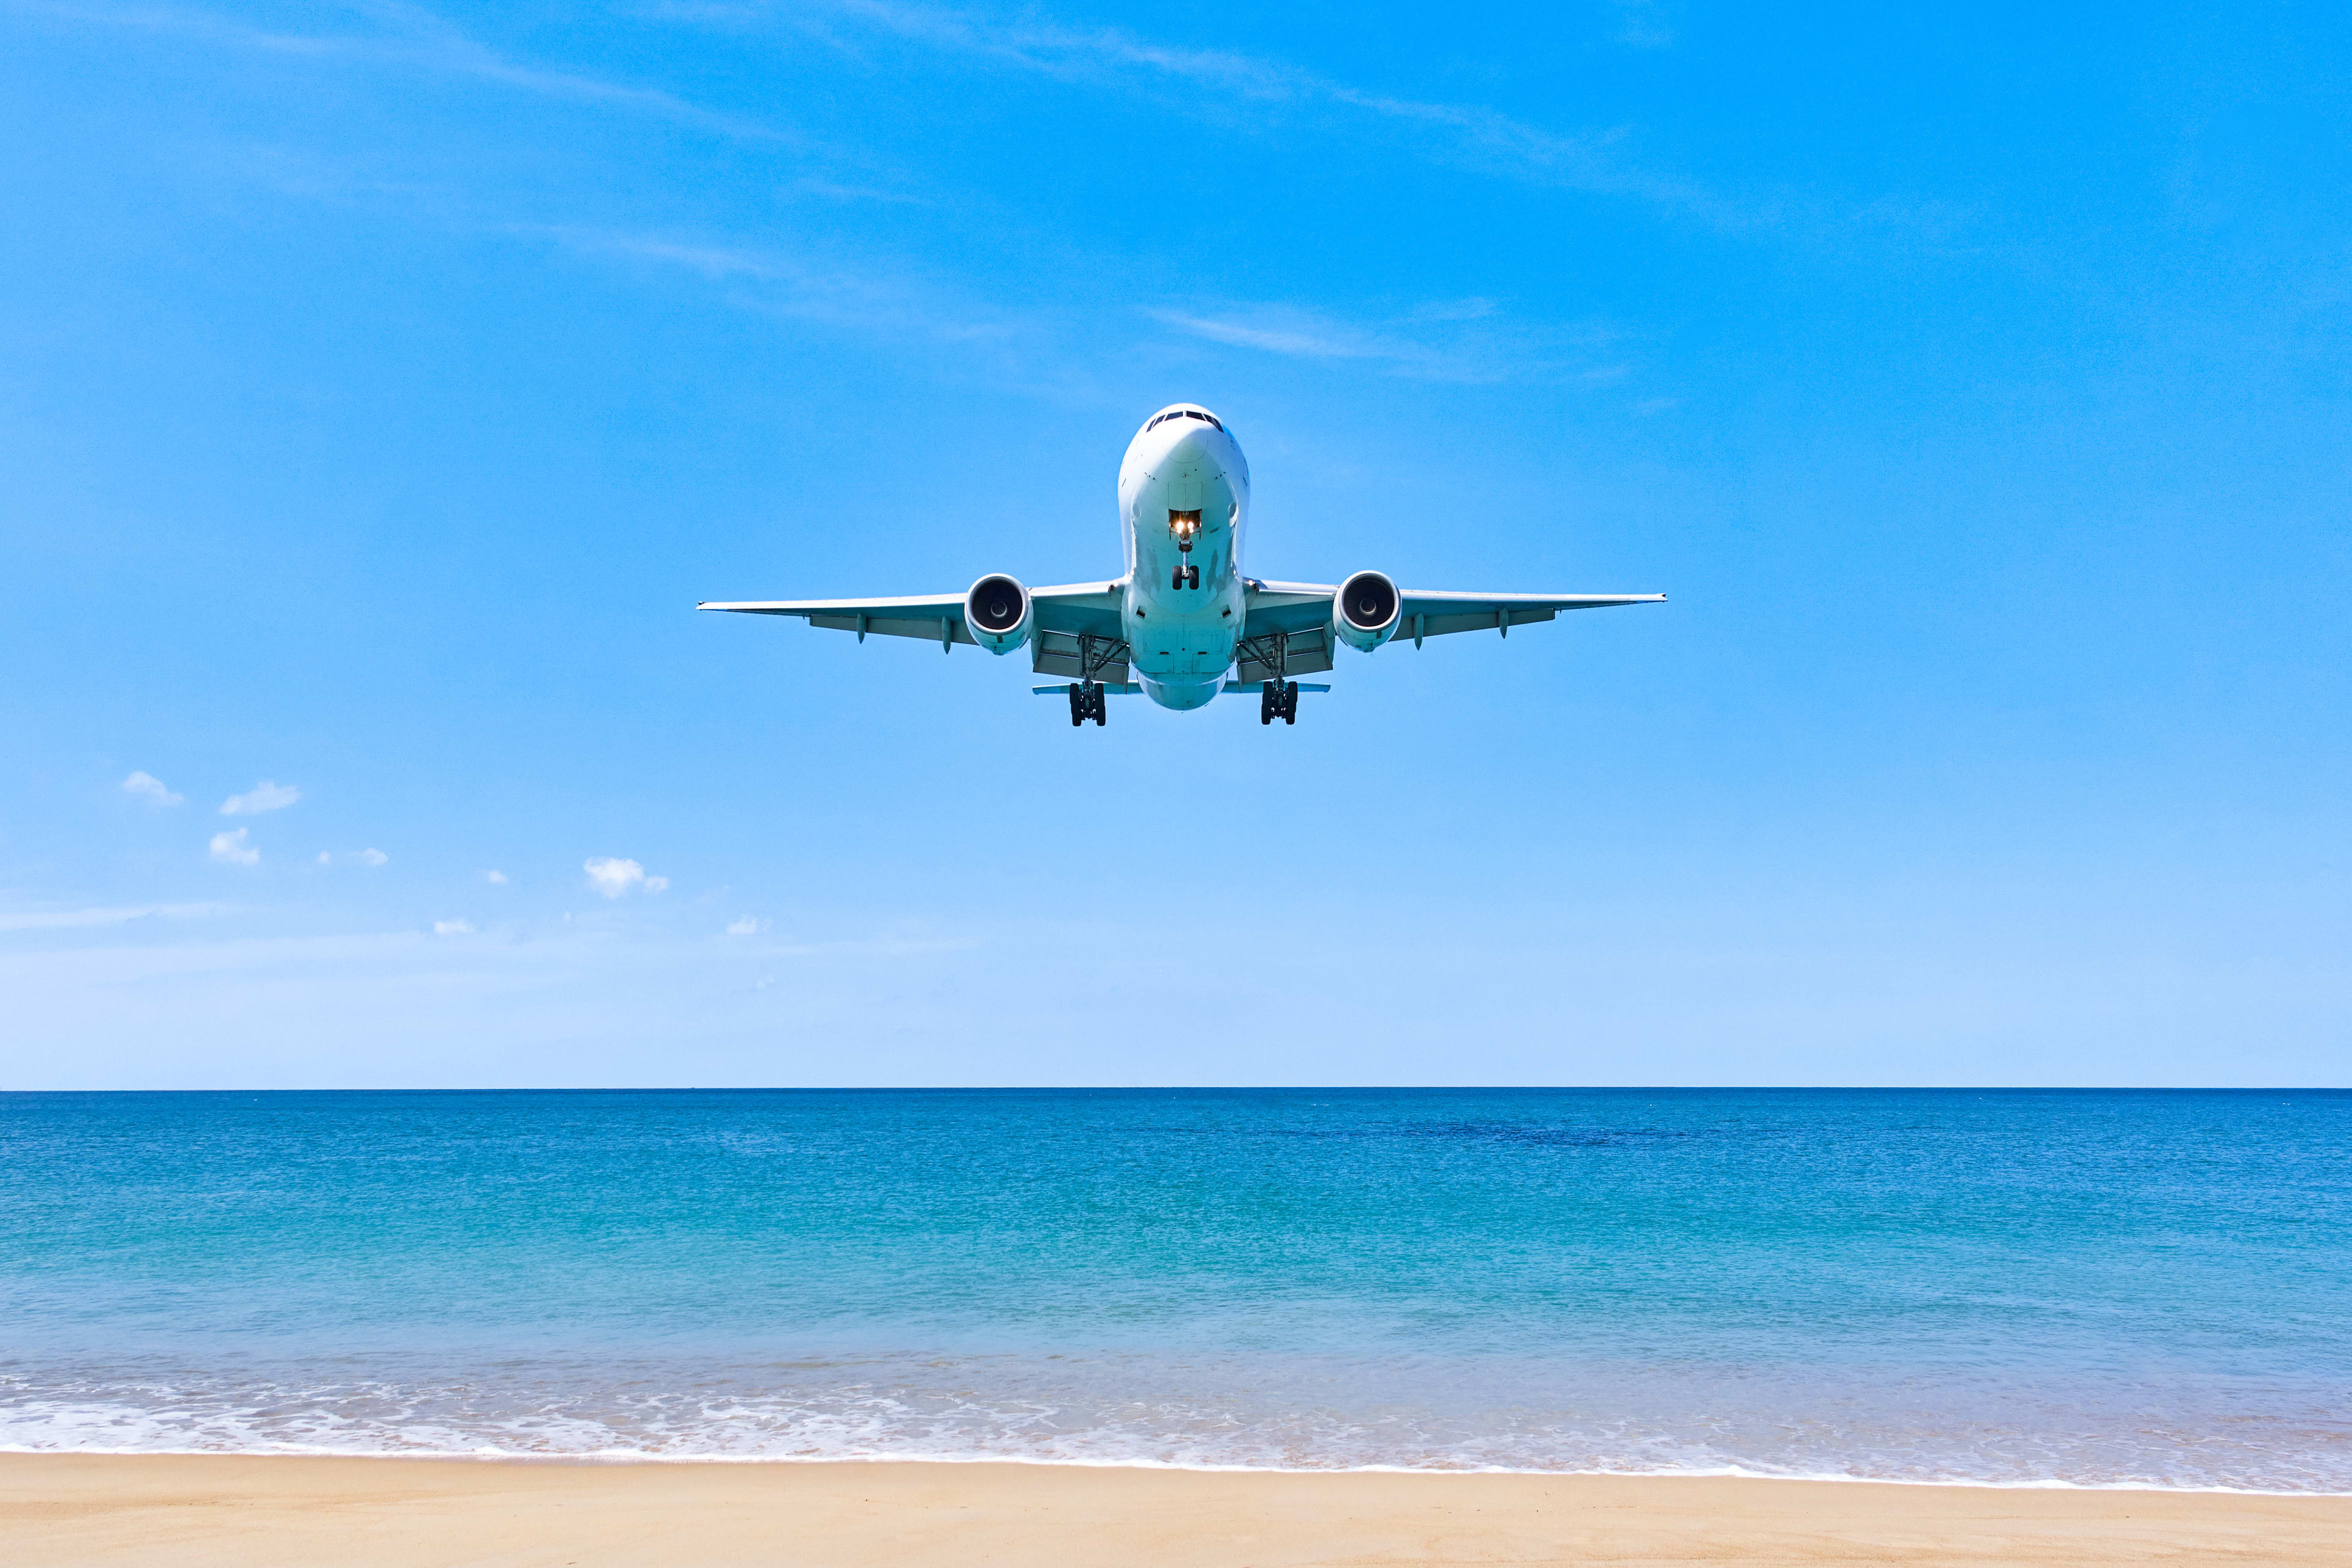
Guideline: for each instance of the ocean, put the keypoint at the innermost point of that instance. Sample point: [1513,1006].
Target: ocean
[2020,1288]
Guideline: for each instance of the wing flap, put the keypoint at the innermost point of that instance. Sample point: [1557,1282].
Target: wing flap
[1079,656]
[1307,652]
[941,628]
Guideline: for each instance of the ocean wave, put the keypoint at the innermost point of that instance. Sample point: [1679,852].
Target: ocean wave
[1221,1415]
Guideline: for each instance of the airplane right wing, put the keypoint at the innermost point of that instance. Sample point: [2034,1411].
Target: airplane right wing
[1076,630]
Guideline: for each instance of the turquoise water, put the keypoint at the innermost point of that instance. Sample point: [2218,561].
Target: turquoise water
[2094,1288]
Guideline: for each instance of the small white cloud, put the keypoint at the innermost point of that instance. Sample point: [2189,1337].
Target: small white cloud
[231,849]
[495,879]
[453,928]
[150,789]
[266,795]
[325,858]
[612,876]
[353,858]
[747,926]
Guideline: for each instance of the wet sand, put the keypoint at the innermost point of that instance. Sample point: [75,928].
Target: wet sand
[185,1511]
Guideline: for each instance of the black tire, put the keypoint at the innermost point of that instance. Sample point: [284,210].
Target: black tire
[1191,576]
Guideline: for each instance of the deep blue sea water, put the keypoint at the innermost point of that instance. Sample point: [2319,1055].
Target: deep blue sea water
[2029,1287]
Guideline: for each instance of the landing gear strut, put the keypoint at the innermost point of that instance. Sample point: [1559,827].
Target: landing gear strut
[1089,701]
[1277,699]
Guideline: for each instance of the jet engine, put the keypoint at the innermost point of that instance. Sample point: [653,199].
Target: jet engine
[1365,611]
[997,612]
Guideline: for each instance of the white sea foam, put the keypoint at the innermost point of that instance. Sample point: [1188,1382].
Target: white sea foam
[1233,1414]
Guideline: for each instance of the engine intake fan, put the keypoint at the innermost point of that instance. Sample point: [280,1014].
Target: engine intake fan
[997,614]
[1365,612]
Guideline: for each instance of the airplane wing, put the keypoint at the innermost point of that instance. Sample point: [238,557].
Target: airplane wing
[1078,631]
[1301,613]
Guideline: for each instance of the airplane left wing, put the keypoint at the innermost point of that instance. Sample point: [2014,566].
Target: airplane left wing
[1431,613]
[1300,615]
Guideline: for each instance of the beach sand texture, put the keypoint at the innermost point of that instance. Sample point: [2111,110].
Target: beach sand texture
[181,1511]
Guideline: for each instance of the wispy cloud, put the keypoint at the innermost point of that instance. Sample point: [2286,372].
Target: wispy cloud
[231,849]
[1602,159]
[495,879]
[746,926]
[65,919]
[353,858]
[266,795]
[418,39]
[613,877]
[453,928]
[1593,160]
[1459,341]
[1643,24]
[787,285]
[148,787]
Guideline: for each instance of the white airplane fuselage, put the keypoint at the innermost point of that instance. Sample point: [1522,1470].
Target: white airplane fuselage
[1183,502]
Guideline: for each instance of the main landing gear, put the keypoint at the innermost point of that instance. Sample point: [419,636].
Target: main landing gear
[1185,577]
[1089,701]
[1278,698]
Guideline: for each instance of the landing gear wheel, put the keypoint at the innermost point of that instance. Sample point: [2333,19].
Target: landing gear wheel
[1191,576]
[1102,707]
[1077,707]
[1290,702]
[1178,580]
[1265,703]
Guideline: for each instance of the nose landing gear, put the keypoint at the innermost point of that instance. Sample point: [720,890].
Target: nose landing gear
[1184,525]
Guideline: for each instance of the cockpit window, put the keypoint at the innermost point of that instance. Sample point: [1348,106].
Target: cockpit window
[1159,419]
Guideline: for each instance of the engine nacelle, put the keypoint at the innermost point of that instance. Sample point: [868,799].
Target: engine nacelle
[1367,610]
[997,614]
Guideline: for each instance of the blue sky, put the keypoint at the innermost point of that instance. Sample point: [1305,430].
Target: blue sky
[380,387]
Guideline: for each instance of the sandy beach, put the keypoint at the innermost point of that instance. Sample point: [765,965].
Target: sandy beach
[185,1511]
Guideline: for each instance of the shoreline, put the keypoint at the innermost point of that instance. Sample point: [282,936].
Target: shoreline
[623,1458]
[197,1510]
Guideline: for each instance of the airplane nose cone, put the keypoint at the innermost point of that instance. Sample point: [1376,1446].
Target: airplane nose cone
[1196,452]
[1185,472]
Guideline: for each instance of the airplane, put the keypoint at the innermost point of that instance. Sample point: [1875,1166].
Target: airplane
[1184,624]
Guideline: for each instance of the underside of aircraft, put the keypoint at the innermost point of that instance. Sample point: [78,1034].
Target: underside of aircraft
[1183,623]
